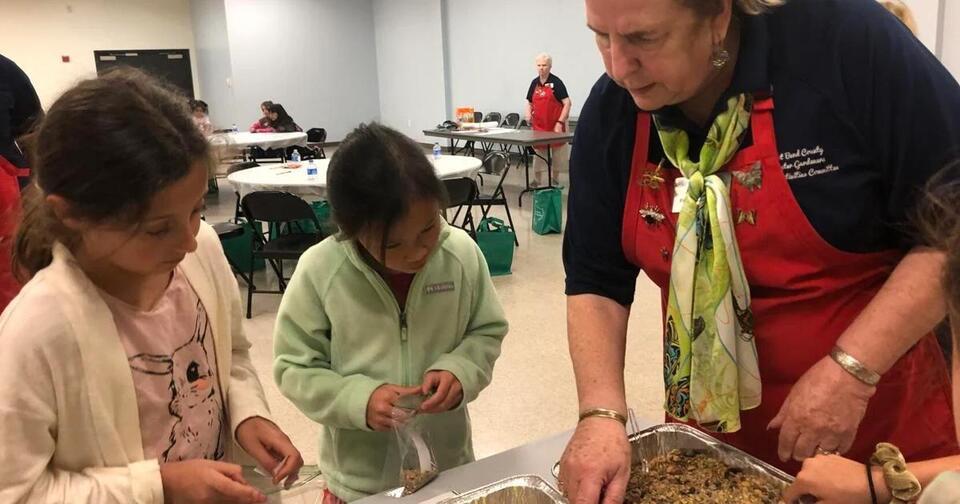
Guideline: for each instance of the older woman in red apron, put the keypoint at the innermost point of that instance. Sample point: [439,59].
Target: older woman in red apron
[758,162]
[19,109]
[9,214]
[547,109]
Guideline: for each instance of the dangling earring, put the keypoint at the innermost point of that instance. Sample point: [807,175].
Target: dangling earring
[720,56]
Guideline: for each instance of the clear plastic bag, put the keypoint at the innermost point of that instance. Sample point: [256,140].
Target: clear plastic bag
[418,465]
[306,488]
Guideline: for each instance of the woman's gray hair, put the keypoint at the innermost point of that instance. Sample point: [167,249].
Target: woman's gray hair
[546,57]
[749,7]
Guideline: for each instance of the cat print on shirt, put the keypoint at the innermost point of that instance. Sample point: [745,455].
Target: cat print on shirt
[195,402]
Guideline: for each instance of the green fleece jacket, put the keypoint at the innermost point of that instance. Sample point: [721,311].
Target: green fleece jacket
[340,334]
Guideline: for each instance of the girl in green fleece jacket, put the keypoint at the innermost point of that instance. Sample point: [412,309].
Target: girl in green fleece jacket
[397,304]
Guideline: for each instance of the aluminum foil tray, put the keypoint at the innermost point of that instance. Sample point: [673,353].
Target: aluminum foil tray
[514,490]
[660,439]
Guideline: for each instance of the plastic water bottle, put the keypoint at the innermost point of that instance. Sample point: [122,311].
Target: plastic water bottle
[233,128]
[436,151]
[295,156]
[311,171]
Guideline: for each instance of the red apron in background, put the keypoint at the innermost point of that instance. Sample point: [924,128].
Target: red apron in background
[805,293]
[9,213]
[546,110]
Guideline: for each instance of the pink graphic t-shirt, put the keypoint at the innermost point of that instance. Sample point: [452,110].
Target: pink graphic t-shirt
[174,366]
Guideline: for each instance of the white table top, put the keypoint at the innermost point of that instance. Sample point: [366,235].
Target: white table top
[262,140]
[281,177]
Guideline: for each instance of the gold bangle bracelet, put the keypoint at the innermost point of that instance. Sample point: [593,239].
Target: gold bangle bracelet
[854,367]
[604,413]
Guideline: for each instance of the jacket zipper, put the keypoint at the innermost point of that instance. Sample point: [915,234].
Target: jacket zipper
[404,349]
[406,376]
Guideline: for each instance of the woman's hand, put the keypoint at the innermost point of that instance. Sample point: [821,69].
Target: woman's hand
[203,481]
[830,479]
[596,463]
[271,448]
[823,411]
[446,389]
[558,127]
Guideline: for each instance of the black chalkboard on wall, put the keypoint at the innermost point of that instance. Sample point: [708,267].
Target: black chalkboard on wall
[172,65]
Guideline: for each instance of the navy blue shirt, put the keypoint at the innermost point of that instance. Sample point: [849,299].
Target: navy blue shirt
[559,89]
[19,108]
[864,116]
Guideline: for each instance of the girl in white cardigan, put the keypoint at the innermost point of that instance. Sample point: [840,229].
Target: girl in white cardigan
[124,372]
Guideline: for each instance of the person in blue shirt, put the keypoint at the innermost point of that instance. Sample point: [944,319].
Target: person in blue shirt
[757,160]
[19,111]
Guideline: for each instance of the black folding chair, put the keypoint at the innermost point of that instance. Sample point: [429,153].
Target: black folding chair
[512,121]
[231,170]
[461,192]
[524,153]
[316,137]
[496,161]
[496,117]
[469,145]
[493,117]
[286,239]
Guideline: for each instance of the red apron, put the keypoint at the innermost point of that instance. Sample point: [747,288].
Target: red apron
[546,111]
[9,213]
[805,293]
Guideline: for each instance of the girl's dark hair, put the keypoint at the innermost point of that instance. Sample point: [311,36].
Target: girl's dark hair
[267,104]
[106,146]
[374,176]
[282,116]
[283,121]
[938,219]
[200,104]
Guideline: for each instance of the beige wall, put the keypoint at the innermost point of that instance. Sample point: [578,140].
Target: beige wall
[36,33]
[951,37]
[927,15]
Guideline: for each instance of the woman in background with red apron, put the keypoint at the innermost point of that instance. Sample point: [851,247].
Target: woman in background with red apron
[758,162]
[547,109]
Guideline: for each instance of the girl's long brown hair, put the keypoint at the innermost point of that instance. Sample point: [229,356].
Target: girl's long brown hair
[106,146]
[938,220]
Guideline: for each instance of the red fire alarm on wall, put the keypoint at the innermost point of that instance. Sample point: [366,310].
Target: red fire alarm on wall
[65,59]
